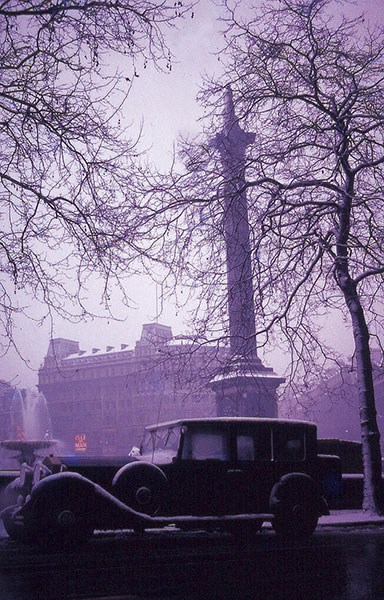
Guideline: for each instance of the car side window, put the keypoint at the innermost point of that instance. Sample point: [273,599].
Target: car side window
[205,444]
[245,447]
[254,445]
[289,445]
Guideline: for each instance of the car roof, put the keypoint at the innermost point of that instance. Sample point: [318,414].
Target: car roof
[246,420]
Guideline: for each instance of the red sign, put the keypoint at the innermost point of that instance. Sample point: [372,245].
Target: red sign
[80,442]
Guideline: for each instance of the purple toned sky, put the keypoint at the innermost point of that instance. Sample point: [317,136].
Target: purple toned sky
[165,104]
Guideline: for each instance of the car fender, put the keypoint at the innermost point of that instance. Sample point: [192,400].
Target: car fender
[106,510]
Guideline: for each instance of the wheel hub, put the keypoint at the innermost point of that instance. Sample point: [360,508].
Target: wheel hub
[66,518]
[143,495]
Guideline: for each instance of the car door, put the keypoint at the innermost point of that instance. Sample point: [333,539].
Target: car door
[199,478]
[252,472]
[289,449]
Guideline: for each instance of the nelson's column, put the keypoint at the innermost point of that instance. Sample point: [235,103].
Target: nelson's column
[245,387]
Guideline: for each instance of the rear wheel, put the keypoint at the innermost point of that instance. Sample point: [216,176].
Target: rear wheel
[301,522]
[295,503]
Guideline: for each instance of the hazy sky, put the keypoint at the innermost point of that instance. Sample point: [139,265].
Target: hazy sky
[166,105]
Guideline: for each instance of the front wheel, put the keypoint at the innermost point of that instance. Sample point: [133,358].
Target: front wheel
[15,527]
[58,514]
[64,526]
[70,526]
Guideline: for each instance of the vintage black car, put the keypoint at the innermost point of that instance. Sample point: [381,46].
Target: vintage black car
[221,473]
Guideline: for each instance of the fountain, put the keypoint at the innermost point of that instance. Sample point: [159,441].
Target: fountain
[26,449]
[31,427]
[30,418]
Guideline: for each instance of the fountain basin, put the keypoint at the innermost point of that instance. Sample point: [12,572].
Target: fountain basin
[27,448]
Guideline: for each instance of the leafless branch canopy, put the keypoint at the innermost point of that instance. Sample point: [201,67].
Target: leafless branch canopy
[310,85]
[68,168]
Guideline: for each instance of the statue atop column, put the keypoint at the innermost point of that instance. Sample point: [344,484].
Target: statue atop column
[245,387]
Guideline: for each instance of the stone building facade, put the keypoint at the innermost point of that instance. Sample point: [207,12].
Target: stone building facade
[101,400]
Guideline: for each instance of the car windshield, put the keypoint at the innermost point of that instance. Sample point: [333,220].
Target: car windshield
[161,445]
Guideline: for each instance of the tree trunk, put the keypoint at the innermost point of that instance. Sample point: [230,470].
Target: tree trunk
[373,500]
[370,436]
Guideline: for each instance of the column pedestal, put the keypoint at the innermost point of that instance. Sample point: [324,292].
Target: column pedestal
[246,389]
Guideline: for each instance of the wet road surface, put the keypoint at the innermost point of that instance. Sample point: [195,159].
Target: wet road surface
[339,564]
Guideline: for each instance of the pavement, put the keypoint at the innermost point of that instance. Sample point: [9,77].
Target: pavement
[337,518]
[348,518]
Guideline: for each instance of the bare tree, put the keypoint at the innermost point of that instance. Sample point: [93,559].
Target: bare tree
[68,176]
[311,85]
